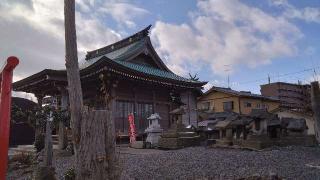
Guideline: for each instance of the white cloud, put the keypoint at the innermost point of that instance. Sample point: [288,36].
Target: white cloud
[34,31]
[225,33]
[92,34]
[124,13]
[309,14]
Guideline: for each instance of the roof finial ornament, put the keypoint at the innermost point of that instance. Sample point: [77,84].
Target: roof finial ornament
[147,29]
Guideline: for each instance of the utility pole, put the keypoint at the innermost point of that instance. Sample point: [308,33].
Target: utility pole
[315,101]
[315,78]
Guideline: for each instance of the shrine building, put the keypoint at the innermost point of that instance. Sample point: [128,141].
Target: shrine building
[139,81]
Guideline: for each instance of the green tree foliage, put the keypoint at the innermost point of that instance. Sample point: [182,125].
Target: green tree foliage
[37,117]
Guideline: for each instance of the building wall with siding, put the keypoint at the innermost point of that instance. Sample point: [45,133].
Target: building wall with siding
[256,104]
[216,100]
[292,96]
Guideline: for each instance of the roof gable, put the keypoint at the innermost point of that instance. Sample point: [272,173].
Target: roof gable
[128,49]
[143,59]
[119,45]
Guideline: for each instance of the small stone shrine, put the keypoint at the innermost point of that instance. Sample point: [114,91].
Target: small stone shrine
[178,136]
[153,131]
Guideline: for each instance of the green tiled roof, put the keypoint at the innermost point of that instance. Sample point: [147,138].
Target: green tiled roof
[120,55]
[154,72]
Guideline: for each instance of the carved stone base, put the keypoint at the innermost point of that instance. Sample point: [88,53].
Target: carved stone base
[224,142]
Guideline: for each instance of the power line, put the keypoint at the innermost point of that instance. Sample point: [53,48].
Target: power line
[281,75]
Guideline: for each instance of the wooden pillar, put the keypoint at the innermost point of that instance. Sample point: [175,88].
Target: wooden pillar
[315,100]
[136,119]
[154,101]
[38,129]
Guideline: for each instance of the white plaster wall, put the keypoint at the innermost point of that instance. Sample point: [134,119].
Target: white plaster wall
[309,120]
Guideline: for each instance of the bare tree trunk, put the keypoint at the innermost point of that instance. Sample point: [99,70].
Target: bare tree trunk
[114,169]
[63,138]
[94,147]
[95,158]
[74,88]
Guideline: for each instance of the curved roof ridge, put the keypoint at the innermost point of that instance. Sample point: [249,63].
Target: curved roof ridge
[119,44]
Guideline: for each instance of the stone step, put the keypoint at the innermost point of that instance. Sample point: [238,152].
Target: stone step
[55,139]
[27,149]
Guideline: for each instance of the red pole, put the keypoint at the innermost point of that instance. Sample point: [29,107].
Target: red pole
[5,111]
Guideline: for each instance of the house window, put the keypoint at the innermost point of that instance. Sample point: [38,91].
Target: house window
[247,104]
[228,106]
[205,106]
[258,105]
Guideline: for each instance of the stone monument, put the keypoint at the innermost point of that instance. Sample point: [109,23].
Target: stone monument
[153,131]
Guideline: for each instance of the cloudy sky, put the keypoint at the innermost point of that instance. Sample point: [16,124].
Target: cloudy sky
[245,39]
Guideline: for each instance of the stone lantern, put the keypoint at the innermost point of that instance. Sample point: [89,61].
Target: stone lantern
[178,136]
[154,130]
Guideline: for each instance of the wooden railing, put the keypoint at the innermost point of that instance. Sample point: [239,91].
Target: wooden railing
[5,111]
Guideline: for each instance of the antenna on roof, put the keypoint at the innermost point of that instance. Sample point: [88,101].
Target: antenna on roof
[315,74]
[227,69]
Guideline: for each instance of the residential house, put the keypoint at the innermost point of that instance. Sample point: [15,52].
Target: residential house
[219,99]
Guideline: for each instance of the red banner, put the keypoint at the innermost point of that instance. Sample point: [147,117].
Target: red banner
[5,111]
[132,128]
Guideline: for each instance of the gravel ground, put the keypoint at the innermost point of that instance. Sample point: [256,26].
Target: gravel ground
[213,163]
